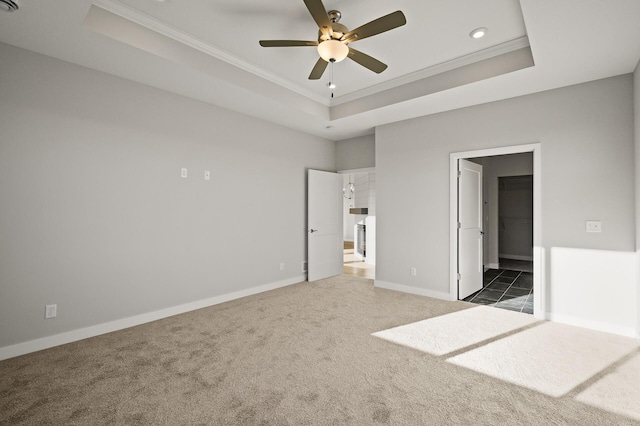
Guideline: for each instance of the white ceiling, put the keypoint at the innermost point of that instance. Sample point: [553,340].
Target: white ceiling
[208,50]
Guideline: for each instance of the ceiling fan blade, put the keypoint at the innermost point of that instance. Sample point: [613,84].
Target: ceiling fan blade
[318,69]
[319,14]
[367,61]
[377,26]
[286,43]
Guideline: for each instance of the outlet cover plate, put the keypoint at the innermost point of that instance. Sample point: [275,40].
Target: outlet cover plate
[50,311]
[594,226]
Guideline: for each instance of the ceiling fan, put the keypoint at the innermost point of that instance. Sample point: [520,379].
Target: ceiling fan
[334,38]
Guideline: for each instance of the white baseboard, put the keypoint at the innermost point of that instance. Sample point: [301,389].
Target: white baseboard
[516,257]
[412,290]
[593,325]
[108,327]
[494,266]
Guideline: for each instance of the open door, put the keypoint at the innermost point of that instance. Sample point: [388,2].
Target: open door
[324,218]
[470,244]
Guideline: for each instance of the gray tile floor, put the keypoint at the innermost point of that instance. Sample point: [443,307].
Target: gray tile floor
[506,289]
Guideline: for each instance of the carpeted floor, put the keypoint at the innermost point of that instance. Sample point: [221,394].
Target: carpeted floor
[300,355]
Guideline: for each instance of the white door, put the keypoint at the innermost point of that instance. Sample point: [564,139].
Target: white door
[470,265]
[324,217]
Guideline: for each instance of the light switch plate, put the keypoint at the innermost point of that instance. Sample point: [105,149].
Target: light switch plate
[594,226]
[183,172]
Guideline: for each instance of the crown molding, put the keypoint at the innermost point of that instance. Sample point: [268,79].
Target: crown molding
[138,17]
[440,68]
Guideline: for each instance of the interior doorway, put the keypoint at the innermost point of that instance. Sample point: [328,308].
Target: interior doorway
[521,284]
[515,222]
[359,222]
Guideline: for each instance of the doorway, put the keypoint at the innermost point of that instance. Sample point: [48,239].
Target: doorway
[515,222]
[502,279]
[359,222]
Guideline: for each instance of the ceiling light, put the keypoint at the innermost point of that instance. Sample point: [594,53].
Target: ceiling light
[8,5]
[478,33]
[331,85]
[333,50]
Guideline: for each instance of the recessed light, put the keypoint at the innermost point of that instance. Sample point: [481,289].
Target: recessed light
[478,33]
[331,85]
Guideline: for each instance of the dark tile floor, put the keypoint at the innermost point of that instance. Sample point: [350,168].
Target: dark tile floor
[506,289]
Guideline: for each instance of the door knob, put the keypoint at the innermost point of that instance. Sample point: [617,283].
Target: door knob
[313,230]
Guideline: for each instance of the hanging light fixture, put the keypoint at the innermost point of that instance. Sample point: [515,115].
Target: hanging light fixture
[349,190]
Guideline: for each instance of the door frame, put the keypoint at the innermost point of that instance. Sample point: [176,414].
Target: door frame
[539,304]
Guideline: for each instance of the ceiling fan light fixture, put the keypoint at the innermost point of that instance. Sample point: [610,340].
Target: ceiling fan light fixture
[478,33]
[333,50]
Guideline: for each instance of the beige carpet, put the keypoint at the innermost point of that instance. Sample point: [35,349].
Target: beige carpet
[300,355]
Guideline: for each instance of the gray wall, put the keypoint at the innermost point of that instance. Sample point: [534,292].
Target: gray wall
[586,137]
[515,217]
[96,218]
[356,153]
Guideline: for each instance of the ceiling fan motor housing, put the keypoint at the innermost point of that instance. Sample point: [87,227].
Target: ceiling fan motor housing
[338,31]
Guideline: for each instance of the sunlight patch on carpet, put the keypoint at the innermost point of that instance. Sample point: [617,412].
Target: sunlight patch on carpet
[458,330]
[617,392]
[551,358]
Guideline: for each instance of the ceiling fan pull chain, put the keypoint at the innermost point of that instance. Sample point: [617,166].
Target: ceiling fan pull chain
[332,83]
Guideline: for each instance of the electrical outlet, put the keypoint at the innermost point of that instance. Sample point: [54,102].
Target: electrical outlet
[594,226]
[282,266]
[183,172]
[207,175]
[304,266]
[50,311]
[414,271]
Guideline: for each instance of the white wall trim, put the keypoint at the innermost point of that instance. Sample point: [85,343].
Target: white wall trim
[120,324]
[493,266]
[353,171]
[411,290]
[515,257]
[538,269]
[593,325]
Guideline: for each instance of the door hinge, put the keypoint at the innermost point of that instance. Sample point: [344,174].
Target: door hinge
[459,277]
[459,173]
[459,225]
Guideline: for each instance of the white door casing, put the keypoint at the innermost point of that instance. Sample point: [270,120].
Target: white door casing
[324,218]
[470,234]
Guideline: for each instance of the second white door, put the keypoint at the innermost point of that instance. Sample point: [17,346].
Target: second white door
[470,234]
